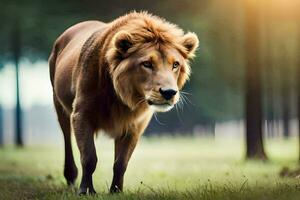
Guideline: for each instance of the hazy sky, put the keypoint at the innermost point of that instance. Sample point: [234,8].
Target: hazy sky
[34,81]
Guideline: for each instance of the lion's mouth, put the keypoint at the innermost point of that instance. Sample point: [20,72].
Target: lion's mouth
[159,103]
[160,107]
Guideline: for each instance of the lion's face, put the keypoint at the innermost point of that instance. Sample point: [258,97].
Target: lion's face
[154,76]
[152,73]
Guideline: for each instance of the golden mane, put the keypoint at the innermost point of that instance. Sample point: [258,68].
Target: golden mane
[148,28]
[145,28]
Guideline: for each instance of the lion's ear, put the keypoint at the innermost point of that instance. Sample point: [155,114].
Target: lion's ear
[123,41]
[190,42]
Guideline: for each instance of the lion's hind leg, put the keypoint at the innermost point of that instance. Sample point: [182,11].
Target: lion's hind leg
[70,169]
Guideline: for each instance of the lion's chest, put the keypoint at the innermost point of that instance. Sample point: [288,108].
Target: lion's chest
[118,124]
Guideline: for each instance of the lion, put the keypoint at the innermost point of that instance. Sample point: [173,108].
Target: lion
[113,77]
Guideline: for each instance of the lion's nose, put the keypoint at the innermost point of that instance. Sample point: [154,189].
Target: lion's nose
[167,93]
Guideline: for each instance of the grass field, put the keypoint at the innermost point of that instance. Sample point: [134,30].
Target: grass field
[161,168]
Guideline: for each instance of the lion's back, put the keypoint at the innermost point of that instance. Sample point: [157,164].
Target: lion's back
[64,57]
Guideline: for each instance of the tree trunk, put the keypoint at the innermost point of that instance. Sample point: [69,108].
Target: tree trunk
[254,137]
[285,93]
[16,50]
[285,113]
[269,77]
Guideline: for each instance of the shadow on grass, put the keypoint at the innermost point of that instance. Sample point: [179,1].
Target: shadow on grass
[27,187]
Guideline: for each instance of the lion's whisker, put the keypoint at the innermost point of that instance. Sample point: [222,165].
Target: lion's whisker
[187,93]
[183,99]
[156,119]
[187,100]
[180,103]
[178,115]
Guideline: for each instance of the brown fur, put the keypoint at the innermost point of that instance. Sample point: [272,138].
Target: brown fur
[101,82]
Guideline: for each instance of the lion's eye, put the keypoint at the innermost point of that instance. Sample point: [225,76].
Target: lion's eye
[175,65]
[147,64]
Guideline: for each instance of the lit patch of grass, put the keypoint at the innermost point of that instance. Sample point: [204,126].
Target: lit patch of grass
[161,168]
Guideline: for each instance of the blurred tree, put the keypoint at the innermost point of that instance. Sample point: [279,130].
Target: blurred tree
[27,34]
[254,137]
[268,70]
[285,92]
[16,52]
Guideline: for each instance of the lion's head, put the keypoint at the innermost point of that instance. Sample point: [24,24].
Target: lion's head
[149,62]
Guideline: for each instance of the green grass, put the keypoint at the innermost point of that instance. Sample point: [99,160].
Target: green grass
[161,168]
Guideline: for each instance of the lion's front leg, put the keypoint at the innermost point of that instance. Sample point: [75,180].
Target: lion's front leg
[84,133]
[124,147]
